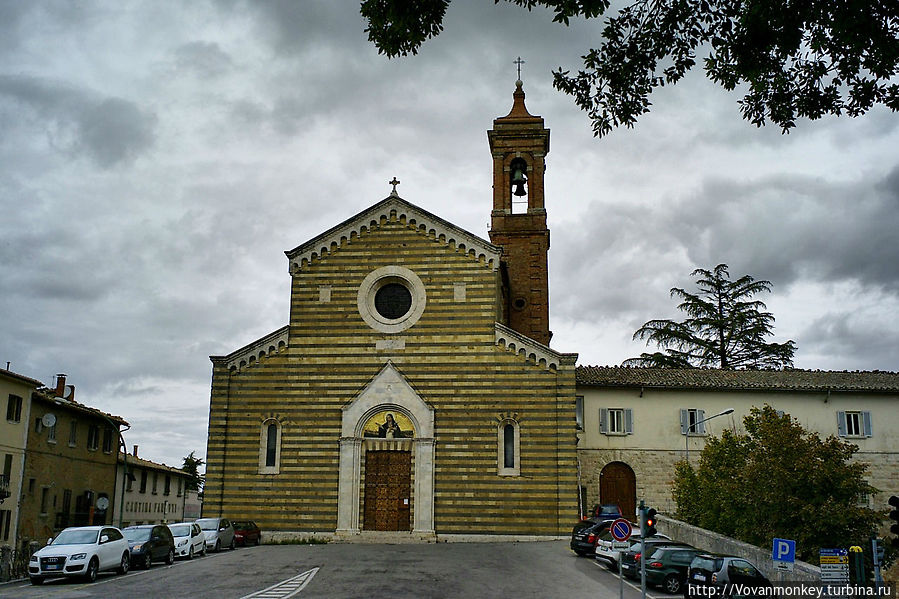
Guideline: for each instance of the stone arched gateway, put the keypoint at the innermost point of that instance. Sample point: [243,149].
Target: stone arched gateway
[618,484]
[388,390]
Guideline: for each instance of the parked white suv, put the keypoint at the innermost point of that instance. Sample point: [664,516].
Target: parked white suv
[81,551]
[189,539]
[219,533]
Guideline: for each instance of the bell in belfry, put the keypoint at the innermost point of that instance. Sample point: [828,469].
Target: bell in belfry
[518,181]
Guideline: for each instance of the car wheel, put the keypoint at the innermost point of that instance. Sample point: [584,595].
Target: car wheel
[218,546]
[148,561]
[258,539]
[672,584]
[126,563]
[190,552]
[232,545]
[613,565]
[580,552]
[92,568]
[37,581]
[203,550]
[170,558]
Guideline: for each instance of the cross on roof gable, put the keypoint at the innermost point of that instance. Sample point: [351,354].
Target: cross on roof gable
[424,221]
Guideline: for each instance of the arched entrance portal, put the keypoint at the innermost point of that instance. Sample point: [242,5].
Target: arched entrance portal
[396,487]
[618,484]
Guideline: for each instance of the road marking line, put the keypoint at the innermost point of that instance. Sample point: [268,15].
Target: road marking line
[626,581]
[286,588]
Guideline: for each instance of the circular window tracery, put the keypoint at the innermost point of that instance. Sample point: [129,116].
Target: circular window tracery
[391,299]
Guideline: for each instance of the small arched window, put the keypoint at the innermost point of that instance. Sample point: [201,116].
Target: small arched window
[508,448]
[270,447]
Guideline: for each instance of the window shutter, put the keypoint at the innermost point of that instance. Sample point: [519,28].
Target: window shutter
[604,420]
[700,415]
[866,416]
[841,424]
[629,421]
[684,421]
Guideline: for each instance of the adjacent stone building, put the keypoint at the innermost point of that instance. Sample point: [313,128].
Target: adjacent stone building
[412,390]
[636,423]
[153,493]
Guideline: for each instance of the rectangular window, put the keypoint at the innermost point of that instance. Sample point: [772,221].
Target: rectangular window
[44,494]
[31,486]
[579,411]
[129,484]
[107,440]
[155,480]
[93,436]
[14,408]
[7,466]
[691,422]
[180,486]
[143,481]
[854,424]
[73,433]
[38,425]
[616,421]
[66,501]
[167,486]
[4,524]
[51,434]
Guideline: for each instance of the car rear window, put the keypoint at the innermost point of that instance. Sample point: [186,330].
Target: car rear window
[711,564]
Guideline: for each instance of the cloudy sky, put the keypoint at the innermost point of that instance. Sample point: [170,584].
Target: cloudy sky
[157,158]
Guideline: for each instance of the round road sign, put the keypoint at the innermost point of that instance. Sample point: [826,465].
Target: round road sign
[621,529]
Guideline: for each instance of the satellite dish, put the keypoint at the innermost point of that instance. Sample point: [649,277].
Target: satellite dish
[102,503]
[49,420]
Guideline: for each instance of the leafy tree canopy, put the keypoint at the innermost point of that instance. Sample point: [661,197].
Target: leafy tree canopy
[725,327]
[778,480]
[792,58]
[192,467]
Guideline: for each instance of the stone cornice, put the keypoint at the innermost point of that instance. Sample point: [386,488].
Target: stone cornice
[393,206]
[531,350]
[249,354]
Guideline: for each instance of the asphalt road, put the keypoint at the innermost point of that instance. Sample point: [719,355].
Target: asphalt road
[445,570]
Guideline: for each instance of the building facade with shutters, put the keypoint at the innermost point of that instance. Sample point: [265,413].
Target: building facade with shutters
[636,423]
[413,391]
[153,493]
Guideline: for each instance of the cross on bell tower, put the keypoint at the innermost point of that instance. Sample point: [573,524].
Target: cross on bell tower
[519,143]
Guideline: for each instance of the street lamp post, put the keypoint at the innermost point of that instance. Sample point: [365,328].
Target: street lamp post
[692,427]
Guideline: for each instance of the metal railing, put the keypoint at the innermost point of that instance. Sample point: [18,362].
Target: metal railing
[14,563]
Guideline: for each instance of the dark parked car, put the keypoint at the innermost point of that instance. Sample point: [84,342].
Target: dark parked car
[585,534]
[729,575]
[150,543]
[630,559]
[667,567]
[246,532]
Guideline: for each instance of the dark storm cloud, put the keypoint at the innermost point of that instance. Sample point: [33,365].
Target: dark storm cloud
[110,131]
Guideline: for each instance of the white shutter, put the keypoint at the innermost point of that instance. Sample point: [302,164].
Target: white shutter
[629,421]
[684,421]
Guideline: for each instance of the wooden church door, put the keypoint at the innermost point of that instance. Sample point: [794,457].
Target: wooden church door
[387,497]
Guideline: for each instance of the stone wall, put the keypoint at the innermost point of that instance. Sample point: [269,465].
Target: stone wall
[716,543]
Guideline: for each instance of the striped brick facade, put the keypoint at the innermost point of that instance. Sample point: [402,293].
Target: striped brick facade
[455,372]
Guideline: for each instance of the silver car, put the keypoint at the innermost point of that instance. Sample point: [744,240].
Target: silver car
[219,533]
[81,552]
[189,539]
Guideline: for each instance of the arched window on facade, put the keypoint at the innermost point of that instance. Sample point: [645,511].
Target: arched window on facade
[508,448]
[270,447]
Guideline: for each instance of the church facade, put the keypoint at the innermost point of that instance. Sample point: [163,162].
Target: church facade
[413,390]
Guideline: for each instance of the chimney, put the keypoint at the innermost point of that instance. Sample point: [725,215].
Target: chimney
[60,385]
[135,451]
[70,392]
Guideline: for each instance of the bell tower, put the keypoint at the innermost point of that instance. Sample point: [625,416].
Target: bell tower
[519,142]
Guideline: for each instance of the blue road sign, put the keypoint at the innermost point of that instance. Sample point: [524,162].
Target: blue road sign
[621,529]
[784,550]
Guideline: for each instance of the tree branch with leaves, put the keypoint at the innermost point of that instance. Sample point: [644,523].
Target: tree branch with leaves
[791,59]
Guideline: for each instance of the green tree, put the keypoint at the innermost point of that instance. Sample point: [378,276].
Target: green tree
[725,327]
[192,465]
[792,58]
[777,480]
